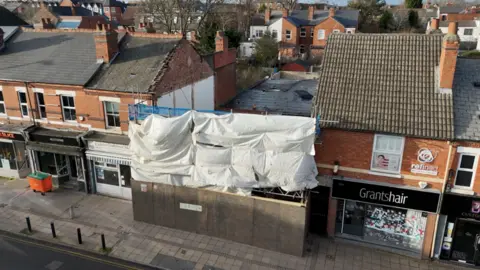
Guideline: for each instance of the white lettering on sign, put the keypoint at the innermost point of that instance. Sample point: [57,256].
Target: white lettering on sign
[191,207]
[383,196]
[424,169]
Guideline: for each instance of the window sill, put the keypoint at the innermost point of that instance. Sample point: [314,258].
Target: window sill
[393,175]
[462,191]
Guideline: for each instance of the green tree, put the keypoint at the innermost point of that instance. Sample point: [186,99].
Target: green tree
[266,50]
[386,20]
[413,3]
[370,10]
[262,8]
[413,18]
[207,37]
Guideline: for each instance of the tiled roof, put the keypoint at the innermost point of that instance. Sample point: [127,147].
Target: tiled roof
[67,11]
[451,9]
[348,18]
[459,23]
[282,96]
[49,57]
[466,99]
[384,83]
[7,18]
[137,65]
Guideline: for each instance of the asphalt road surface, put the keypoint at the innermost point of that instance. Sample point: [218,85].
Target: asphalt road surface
[19,253]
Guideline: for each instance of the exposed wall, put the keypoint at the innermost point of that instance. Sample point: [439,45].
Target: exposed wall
[278,27]
[246,49]
[225,84]
[328,25]
[202,93]
[269,224]
[287,25]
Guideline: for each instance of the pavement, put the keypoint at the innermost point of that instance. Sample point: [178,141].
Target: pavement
[168,248]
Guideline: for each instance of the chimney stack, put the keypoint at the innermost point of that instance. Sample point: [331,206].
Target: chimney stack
[448,57]
[106,43]
[2,42]
[284,13]
[267,15]
[434,24]
[311,10]
[331,12]
[73,11]
[221,42]
[193,36]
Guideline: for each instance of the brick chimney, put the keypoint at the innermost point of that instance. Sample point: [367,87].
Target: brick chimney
[2,42]
[267,15]
[221,42]
[106,43]
[448,57]
[434,24]
[73,11]
[284,13]
[311,10]
[331,12]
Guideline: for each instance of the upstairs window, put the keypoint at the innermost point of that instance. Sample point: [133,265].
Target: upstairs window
[258,33]
[288,34]
[303,32]
[387,153]
[107,9]
[467,31]
[467,165]
[2,103]
[336,31]
[68,108]
[320,34]
[112,114]
[42,111]
[22,100]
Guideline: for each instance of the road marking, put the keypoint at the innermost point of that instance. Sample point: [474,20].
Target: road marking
[54,265]
[65,251]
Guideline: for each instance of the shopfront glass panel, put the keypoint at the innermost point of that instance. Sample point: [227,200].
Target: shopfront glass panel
[21,155]
[106,175]
[7,156]
[353,220]
[466,233]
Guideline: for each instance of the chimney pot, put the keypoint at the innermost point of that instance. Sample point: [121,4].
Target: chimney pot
[267,15]
[434,24]
[221,42]
[73,11]
[452,28]
[311,10]
[331,12]
[284,13]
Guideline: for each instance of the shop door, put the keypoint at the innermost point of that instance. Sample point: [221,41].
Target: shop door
[464,241]
[125,187]
[319,198]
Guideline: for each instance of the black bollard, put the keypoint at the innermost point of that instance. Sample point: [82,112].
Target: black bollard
[29,226]
[103,242]
[54,234]
[79,234]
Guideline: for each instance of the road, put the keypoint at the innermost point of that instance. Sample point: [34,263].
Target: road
[21,253]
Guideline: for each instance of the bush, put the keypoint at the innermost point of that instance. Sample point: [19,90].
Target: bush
[472,54]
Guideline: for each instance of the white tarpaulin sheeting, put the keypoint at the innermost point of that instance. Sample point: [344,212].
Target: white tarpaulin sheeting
[231,151]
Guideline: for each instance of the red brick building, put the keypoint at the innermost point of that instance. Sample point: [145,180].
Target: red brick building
[386,141]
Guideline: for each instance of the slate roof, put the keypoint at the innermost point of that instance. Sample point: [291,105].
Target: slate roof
[466,99]
[49,57]
[67,11]
[460,23]
[349,18]
[107,138]
[136,67]
[280,96]
[384,83]
[7,18]
[451,9]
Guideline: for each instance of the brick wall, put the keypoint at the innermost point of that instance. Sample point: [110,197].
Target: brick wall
[337,145]
[328,25]
[287,25]
[91,22]
[462,17]
[307,40]
[185,67]
[225,84]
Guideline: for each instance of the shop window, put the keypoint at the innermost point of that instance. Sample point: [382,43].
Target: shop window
[2,103]
[274,33]
[320,34]
[466,171]
[303,32]
[68,108]
[468,32]
[22,100]
[387,153]
[106,174]
[288,34]
[7,156]
[112,114]
[42,111]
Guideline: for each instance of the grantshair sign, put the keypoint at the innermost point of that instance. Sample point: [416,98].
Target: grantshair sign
[389,195]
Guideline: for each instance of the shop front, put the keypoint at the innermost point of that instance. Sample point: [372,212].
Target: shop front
[59,153]
[13,156]
[382,214]
[461,231]
[108,158]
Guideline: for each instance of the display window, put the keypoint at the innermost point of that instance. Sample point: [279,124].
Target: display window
[388,226]
[12,155]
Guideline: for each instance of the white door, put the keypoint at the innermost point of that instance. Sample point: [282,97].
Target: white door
[107,179]
[125,177]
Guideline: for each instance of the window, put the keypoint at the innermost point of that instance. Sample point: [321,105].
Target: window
[41,105]
[303,32]
[68,108]
[22,100]
[288,34]
[349,31]
[444,17]
[274,33]
[312,32]
[321,34]
[387,153]
[106,9]
[112,114]
[113,11]
[2,103]
[336,31]
[466,171]
[258,33]
[468,31]
[302,49]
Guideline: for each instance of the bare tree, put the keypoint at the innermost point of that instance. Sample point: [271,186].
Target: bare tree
[161,12]
[289,4]
[245,12]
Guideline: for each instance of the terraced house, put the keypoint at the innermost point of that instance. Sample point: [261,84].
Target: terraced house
[64,99]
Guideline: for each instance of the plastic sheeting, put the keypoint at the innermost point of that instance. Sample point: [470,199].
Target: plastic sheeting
[231,152]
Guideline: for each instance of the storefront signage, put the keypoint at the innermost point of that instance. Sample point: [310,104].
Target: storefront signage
[11,136]
[191,207]
[458,206]
[425,155]
[385,195]
[55,140]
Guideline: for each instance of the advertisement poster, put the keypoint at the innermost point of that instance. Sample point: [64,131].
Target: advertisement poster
[386,162]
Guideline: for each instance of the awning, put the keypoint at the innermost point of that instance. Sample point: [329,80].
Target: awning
[108,158]
[55,148]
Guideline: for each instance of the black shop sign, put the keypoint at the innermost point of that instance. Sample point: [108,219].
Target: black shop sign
[54,139]
[460,206]
[386,195]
